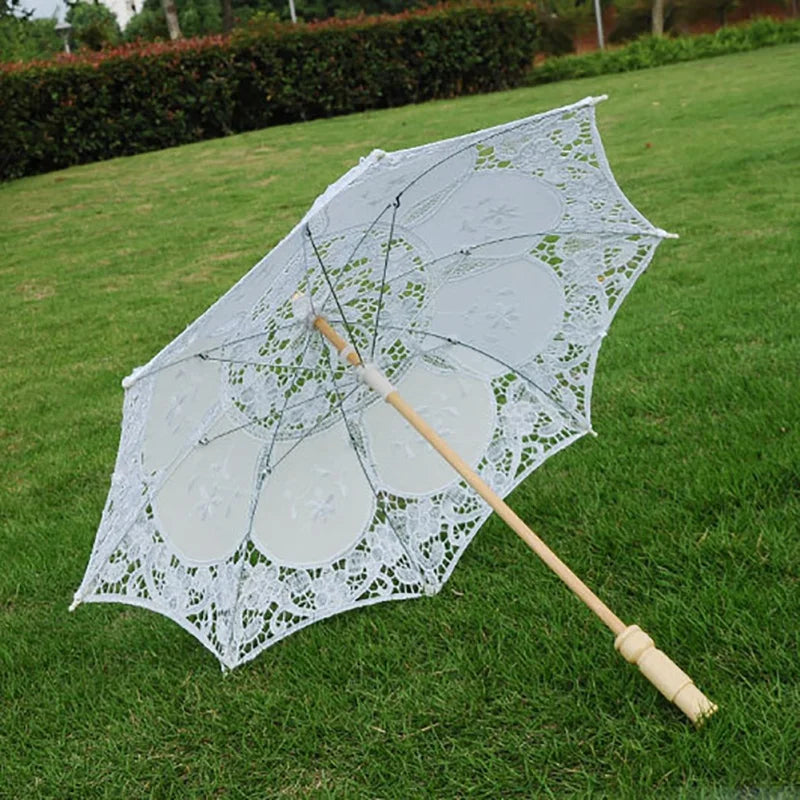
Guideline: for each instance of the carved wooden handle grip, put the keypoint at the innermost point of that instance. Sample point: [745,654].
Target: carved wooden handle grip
[638,648]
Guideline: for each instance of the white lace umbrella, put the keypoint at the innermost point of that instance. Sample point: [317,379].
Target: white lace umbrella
[262,482]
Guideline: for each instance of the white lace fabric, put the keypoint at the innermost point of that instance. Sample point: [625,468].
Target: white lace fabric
[260,486]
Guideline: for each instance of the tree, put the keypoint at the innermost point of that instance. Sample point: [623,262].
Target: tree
[24,39]
[171,15]
[723,6]
[202,17]
[194,18]
[658,18]
[93,25]
[148,24]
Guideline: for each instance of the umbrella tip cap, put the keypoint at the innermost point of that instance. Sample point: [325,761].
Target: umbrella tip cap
[128,381]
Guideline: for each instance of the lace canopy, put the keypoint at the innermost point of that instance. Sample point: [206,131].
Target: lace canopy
[261,486]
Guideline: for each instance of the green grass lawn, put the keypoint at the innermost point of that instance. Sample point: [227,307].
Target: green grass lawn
[684,514]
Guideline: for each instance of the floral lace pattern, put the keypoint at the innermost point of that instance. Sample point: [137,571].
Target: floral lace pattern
[388,255]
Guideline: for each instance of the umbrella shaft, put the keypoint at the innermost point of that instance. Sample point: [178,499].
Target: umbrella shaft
[395,400]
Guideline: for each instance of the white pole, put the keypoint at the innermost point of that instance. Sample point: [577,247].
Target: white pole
[598,14]
[291,11]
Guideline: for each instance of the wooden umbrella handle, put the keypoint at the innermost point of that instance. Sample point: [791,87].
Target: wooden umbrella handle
[634,645]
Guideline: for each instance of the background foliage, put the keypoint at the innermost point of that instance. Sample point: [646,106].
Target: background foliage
[146,97]
[134,100]
[94,25]
[26,39]
[650,51]
[562,23]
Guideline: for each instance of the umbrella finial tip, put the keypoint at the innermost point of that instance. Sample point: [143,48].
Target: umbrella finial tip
[666,234]
[376,155]
[128,381]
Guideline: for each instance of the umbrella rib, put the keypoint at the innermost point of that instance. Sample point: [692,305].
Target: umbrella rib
[288,367]
[312,431]
[472,143]
[355,250]
[202,353]
[502,131]
[258,420]
[308,277]
[467,250]
[333,291]
[396,205]
[296,405]
[378,500]
[290,408]
[467,345]
[255,335]
[205,440]
[257,495]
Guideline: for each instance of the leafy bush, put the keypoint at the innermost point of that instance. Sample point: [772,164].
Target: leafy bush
[93,25]
[138,98]
[24,39]
[147,25]
[653,52]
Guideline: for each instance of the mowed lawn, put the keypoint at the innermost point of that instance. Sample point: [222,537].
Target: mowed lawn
[684,514]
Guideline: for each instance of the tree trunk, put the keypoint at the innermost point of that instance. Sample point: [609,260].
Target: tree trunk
[658,17]
[598,15]
[227,16]
[171,13]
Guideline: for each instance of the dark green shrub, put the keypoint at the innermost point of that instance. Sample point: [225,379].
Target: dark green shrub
[148,97]
[22,39]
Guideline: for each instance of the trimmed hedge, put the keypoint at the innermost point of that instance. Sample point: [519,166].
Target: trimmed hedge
[650,51]
[83,109]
